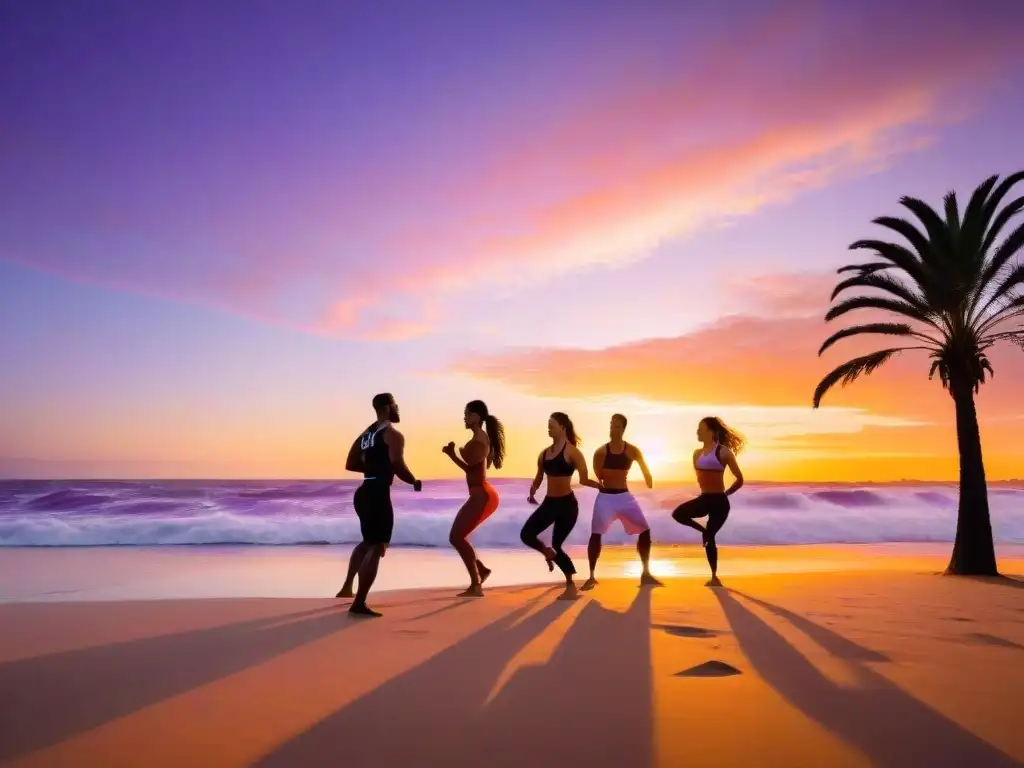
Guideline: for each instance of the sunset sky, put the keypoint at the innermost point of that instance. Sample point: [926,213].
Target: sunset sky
[225,226]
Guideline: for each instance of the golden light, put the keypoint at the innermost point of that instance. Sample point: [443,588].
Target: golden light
[657,453]
[658,568]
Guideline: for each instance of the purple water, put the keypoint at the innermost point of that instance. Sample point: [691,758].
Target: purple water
[137,513]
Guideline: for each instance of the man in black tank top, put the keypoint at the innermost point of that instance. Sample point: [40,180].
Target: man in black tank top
[379,454]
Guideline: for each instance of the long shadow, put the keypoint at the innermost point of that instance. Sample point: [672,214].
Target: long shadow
[591,704]
[46,699]
[443,608]
[884,722]
[1015,582]
[426,716]
[834,643]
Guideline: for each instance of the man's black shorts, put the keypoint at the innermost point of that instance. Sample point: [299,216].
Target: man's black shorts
[372,502]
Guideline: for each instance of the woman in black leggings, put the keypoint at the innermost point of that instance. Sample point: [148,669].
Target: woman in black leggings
[559,508]
[720,446]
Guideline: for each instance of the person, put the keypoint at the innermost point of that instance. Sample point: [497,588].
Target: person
[612,462]
[720,444]
[485,448]
[379,453]
[559,509]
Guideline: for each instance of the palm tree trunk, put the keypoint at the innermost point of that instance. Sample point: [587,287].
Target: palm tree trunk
[973,551]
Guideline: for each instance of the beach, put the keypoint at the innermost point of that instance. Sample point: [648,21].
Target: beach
[864,656]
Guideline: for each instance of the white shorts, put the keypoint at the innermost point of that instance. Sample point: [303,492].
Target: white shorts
[609,507]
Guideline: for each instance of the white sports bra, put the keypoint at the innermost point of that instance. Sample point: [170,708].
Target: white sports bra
[709,462]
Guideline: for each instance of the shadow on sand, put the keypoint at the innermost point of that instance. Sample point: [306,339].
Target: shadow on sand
[878,718]
[438,714]
[47,699]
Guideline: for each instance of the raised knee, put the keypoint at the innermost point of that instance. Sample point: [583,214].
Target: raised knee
[526,537]
[455,539]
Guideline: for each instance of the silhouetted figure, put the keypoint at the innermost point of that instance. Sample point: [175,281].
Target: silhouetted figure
[612,462]
[559,508]
[379,454]
[719,448]
[485,448]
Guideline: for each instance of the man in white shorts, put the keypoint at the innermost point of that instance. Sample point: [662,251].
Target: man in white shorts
[612,463]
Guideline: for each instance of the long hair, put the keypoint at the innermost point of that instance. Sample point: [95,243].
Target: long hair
[566,424]
[495,432]
[724,435]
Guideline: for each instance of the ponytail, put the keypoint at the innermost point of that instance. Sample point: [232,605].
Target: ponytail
[495,432]
[496,437]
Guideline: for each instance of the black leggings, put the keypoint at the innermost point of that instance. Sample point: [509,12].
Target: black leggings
[561,512]
[716,507]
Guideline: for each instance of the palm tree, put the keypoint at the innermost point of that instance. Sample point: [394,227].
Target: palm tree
[955,292]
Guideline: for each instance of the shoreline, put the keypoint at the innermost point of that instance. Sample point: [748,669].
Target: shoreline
[178,572]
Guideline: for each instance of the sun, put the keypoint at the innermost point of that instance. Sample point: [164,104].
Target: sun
[657,454]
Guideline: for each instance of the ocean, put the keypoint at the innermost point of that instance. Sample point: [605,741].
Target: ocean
[281,513]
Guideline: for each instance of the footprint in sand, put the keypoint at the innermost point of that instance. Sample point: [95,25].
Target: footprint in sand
[414,632]
[680,630]
[711,668]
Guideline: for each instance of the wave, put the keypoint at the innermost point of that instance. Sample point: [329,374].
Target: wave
[265,513]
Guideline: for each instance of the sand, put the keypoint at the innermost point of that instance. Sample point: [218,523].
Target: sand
[889,665]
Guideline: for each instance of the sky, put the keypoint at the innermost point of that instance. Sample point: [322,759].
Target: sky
[225,226]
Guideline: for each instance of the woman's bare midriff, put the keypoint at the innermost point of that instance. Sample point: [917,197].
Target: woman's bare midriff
[559,486]
[711,482]
[615,479]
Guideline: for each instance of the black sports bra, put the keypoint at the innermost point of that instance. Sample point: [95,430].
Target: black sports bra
[558,466]
[617,460]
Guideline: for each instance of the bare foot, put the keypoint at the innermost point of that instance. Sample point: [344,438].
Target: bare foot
[345,592]
[363,610]
[713,582]
[646,580]
[473,591]
[484,573]
[571,593]
[589,584]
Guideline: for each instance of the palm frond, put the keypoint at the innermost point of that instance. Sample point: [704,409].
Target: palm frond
[1000,221]
[976,205]
[917,239]
[882,283]
[952,214]
[938,232]
[992,204]
[1013,307]
[867,268]
[1014,279]
[888,329]
[898,255]
[880,303]
[851,370]
[1009,248]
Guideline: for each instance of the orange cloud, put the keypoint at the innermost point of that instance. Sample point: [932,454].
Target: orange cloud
[752,359]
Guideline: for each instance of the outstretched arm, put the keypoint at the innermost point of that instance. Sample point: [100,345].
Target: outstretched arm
[581,466]
[643,468]
[396,452]
[354,462]
[538,479]
[734,467]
